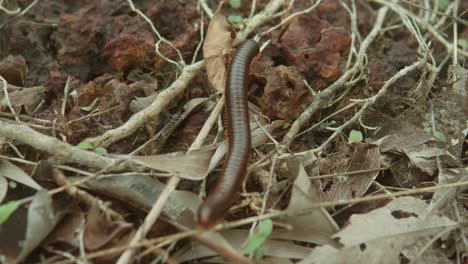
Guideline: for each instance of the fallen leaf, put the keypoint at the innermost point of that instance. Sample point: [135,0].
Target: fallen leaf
[14,69]
[7,209]
[380,235]
[142,192]
[256,240]
[27,227]
[217,45]
[27,97]
[101,231]
[316,226]
[13,172]
[193,165]
[342,187]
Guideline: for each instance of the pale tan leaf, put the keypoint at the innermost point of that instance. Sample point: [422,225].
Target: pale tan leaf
[316,226]
[142,192]
[380,235]
[13,172]
[193,165]
[218,43]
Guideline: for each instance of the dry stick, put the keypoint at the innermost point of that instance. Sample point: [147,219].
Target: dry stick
[326,95]
[59,149]
[7,98]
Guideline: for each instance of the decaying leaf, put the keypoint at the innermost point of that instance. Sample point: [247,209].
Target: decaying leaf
[27,227]
[218,43]
[380,235]
[27,97]
[100,231]
[142,192]
[14,69]
[363,157]
[13,172]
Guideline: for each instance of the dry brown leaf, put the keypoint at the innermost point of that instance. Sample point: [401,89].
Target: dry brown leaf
[316,226]
[217,45]
[193,165]
[13,172]
[27,97]
[101,231]
[342,187]
[14,69]
[380,235]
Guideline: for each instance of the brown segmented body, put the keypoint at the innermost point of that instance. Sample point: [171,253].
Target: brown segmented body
[227,186]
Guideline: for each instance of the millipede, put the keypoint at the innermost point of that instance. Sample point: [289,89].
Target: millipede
[226,188]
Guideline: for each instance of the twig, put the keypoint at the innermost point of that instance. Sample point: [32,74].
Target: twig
[160,38]
[66,91]
[7,97]
[206,8]
[53,146]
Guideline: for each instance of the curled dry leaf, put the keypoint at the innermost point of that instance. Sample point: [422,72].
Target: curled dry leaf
[13,172]
[380,235]
[218,43]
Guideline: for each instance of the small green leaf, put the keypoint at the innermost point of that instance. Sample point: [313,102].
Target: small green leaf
[4,102]
[12,184]
[100,150]
[256,241]
[440,136]
[236,4]
[443,4]
[235,19]
[86,145]
[6,210]
[463,43]
[354,136]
